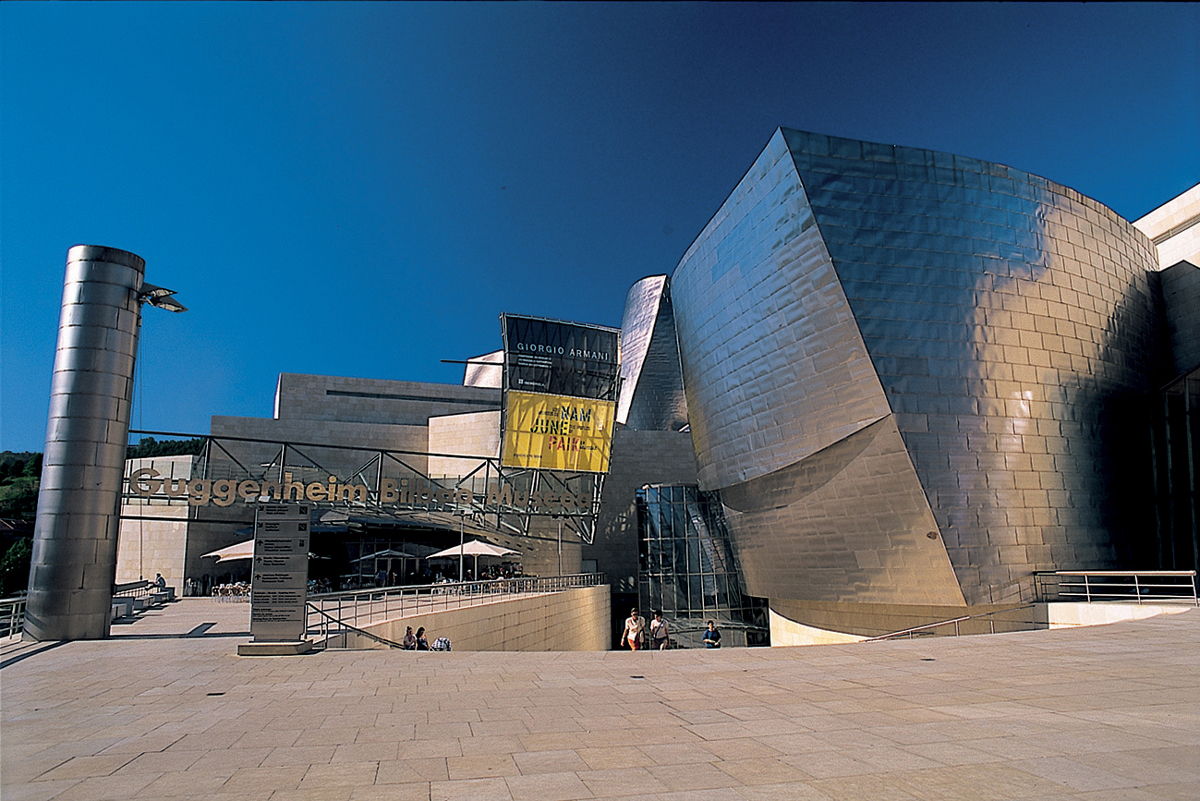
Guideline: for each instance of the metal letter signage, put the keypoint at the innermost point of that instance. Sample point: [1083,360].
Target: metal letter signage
[279,583]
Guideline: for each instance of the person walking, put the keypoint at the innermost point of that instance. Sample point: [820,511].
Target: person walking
[660,633]
[635,630]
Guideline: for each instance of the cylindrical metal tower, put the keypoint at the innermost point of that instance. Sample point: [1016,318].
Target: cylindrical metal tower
[75,538]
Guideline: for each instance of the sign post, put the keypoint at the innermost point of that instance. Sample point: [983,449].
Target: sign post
[279,581]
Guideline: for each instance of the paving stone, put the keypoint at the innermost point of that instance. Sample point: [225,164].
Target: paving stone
[1110,712]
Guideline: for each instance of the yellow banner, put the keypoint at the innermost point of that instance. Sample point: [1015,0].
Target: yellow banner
[552,432]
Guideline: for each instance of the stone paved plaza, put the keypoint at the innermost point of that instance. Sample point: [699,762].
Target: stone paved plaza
[165,709]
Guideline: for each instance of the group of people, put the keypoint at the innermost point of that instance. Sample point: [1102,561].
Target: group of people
[238,591]
[384,578]
[657,633]
[420,642]
[415,642]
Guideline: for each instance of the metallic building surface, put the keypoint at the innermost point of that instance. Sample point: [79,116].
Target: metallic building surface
[866,519]
[638,458]
[75,537]
[652,396]
[774,365]
[997,326]
[485,371]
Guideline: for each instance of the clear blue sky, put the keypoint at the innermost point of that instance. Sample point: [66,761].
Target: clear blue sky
[362,189]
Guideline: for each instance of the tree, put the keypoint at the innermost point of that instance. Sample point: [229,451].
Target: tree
[14,568]
[32,468]
[148,447]
[18,498]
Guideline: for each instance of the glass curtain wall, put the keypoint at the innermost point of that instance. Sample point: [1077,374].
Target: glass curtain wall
[688,570]
[1177,462]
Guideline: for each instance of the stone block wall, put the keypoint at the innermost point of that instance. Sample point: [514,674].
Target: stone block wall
[572,620]
[472,434]
[365,400]
[638,458]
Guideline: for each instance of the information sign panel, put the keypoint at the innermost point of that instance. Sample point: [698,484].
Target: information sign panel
[279,582]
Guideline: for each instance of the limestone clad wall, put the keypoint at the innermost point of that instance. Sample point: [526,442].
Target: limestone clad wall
[364,400]
[572,620]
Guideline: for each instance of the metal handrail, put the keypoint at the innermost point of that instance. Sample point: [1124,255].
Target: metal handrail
[355,609]
[12,617]
[1141,586]
[361,632]
[955,621]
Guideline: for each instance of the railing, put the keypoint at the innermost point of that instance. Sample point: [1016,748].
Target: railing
[133,589]
[335,631]
[1138,586]
[929,627]
[334,614]
[12,617]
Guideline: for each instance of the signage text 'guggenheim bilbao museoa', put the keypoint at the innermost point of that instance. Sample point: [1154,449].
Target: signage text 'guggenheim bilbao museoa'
[149,483]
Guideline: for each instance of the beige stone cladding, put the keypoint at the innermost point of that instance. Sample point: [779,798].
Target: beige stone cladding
[365,436]
[485,371]
[874,620]
[1174,227]
[1181,297]
[364,400]
[471,434]
[146,547]
[571,620]
[638,458]
[540,549]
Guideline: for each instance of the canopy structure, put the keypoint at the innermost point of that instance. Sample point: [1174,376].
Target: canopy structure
[242,550]
[475,548]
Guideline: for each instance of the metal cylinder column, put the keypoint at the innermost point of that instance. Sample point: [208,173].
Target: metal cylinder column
[75,537]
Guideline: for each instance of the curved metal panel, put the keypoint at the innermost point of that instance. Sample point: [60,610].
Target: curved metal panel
[1012,325]
[652,396]
[862,527]
[773,362]
[1007,322]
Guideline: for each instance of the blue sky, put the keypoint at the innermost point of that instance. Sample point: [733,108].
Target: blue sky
[362,189]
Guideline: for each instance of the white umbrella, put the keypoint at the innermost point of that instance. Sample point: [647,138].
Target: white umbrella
[242,550]
[472,548]
[475,548]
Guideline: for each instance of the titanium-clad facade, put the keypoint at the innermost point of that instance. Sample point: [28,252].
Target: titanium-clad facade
[652,396]
[75,538]
[912,376]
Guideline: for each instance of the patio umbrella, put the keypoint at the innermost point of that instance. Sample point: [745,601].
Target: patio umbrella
[242,550]
[475,548]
